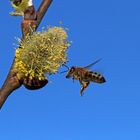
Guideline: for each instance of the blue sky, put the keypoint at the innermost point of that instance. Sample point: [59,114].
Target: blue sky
[111,111]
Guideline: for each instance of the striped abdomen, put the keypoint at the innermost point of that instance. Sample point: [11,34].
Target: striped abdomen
[95,77]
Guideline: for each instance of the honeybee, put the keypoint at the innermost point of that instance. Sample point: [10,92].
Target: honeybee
[85,76]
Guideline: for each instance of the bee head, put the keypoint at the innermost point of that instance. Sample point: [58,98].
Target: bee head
[70,72]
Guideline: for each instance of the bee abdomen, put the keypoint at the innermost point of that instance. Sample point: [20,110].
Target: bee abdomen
[97,77]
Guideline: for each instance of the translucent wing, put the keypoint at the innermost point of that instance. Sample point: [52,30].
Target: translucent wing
[90,65]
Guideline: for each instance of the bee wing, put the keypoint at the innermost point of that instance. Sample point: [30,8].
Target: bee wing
[90,65]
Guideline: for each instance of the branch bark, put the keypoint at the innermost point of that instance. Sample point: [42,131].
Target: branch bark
[42,10]
[12,82]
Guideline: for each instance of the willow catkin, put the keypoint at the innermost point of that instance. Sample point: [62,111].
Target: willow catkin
[41,53]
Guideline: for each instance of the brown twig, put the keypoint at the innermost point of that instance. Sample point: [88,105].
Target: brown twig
[42,10]
[12,82]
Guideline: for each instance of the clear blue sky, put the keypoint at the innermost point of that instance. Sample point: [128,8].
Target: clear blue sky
[99,29]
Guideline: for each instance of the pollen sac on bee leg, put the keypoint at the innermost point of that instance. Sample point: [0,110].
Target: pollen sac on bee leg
[34,84]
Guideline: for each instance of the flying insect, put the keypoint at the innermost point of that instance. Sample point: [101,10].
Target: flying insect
[84,75]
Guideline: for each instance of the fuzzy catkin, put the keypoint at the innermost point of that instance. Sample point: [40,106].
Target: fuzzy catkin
[41,53]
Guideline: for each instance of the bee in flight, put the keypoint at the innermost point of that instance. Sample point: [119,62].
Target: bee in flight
[84,75]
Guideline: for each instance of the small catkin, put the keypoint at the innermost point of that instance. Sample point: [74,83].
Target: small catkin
[19,7]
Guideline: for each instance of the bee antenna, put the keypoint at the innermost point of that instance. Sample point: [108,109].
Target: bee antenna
[66,66]
[64,71]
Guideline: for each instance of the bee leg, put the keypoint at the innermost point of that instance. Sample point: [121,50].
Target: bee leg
[84,86]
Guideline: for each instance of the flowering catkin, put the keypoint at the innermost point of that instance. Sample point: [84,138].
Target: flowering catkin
[41,53]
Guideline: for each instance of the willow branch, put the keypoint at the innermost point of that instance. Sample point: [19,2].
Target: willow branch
[42,10]
[12,82]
